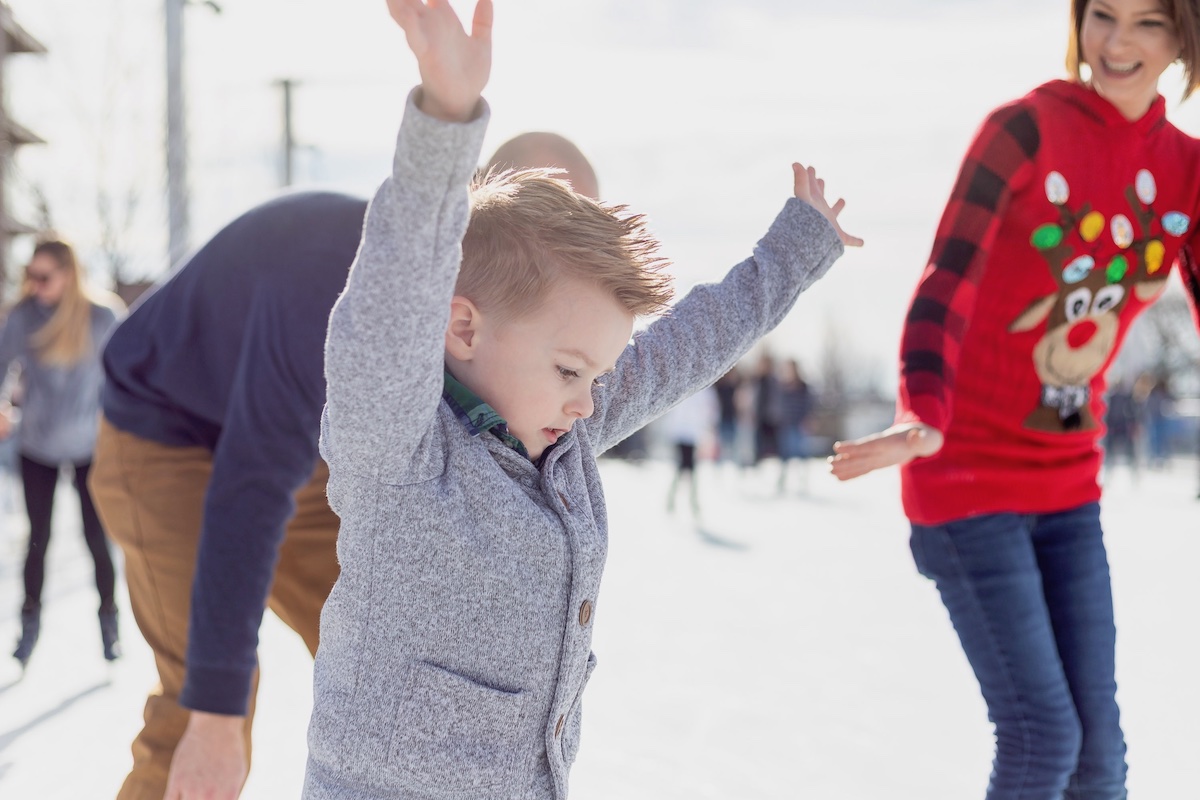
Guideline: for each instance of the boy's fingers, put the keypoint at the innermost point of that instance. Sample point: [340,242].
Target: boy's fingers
[850,241]
[405,11]
[800,181]
[481,23]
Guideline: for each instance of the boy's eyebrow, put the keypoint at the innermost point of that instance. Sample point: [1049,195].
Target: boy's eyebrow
[582,356]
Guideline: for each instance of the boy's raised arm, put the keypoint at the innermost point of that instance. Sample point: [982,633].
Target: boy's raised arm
[384,351]
[716,324]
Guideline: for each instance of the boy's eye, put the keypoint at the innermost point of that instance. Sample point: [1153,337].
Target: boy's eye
[564,373]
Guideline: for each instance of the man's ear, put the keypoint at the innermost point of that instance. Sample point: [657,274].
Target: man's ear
[462,329]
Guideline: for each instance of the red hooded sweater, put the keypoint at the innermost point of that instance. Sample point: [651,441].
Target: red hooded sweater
[1063,225]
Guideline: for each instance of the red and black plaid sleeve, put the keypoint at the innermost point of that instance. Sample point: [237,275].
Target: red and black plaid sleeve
[1189,271]
[999,158]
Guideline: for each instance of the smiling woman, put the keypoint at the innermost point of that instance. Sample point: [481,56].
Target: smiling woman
[1068,214]
[1127,47]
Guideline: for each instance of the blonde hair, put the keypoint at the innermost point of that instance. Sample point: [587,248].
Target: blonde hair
[1184,15]
[66,338]
[528,229]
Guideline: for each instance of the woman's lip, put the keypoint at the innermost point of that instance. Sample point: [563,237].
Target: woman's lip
[1118,73]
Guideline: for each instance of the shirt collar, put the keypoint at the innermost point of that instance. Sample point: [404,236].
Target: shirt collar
[476,415]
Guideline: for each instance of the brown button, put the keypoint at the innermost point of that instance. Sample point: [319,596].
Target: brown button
[558,727]
[563,497]
[585,612]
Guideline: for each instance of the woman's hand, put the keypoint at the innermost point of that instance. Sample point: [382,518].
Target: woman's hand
[897,445]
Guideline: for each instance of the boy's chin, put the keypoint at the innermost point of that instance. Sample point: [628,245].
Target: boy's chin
[537,444]
[539,441]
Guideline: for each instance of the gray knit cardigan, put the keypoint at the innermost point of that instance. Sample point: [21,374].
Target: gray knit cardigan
[457,642]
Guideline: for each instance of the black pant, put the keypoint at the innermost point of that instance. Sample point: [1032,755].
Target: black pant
[40,481]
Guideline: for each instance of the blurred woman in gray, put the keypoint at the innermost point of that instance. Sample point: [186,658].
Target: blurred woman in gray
[55,332]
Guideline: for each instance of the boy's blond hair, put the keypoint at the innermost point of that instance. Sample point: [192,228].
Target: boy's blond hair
[528,230]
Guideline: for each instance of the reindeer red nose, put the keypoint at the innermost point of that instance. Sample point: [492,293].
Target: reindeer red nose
[1081,333]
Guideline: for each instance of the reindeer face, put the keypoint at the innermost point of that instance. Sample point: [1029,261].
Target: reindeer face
[1080,335]
[1095,274]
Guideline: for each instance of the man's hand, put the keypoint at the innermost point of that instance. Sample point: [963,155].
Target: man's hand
[210,760]
[7,418]
[811,189]
[897,445]
[454,66]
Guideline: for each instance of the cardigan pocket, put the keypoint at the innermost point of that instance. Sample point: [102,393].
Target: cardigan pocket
[574,725]
[455,734]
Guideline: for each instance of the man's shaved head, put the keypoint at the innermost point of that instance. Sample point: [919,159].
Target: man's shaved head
[542,149]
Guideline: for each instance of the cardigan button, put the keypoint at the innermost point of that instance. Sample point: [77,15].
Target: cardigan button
[563,497]
[558,727]
[585,613]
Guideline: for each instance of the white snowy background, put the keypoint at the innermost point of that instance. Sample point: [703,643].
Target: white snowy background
[782,647]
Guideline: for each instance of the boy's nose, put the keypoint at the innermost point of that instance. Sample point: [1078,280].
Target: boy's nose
[581,405]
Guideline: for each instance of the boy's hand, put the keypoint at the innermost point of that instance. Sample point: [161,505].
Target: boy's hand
[454,66]
[897,445]
[811,190]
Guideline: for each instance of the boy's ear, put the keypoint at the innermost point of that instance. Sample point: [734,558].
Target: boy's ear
[462,329]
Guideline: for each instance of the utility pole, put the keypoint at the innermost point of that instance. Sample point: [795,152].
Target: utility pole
[13,40]
[289,141]
[178,218]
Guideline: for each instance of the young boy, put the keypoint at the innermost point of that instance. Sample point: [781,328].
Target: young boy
[465,409]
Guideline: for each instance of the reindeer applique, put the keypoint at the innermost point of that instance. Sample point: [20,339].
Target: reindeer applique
[1083,316]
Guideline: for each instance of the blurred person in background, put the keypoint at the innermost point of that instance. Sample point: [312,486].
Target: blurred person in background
[1158,404]
[766,406]
[728,441]
[796,403]
[1123,427]
[55,332]
[688,428]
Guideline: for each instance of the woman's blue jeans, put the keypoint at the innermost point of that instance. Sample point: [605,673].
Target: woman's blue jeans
[1031,600]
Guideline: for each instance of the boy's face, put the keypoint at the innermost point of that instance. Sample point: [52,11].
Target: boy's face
[538,370]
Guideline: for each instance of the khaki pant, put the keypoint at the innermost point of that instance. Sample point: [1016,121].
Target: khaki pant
[151,498]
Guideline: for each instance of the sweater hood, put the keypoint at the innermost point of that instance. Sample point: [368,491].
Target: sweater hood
[1094,106]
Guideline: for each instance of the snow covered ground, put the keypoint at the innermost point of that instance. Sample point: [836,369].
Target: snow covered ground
[781,647]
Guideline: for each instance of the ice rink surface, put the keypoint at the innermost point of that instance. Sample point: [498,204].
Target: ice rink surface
[781,646]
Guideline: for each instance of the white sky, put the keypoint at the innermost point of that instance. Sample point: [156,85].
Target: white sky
[691,110]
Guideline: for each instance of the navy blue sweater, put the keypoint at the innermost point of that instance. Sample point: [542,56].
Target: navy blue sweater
[227,353]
